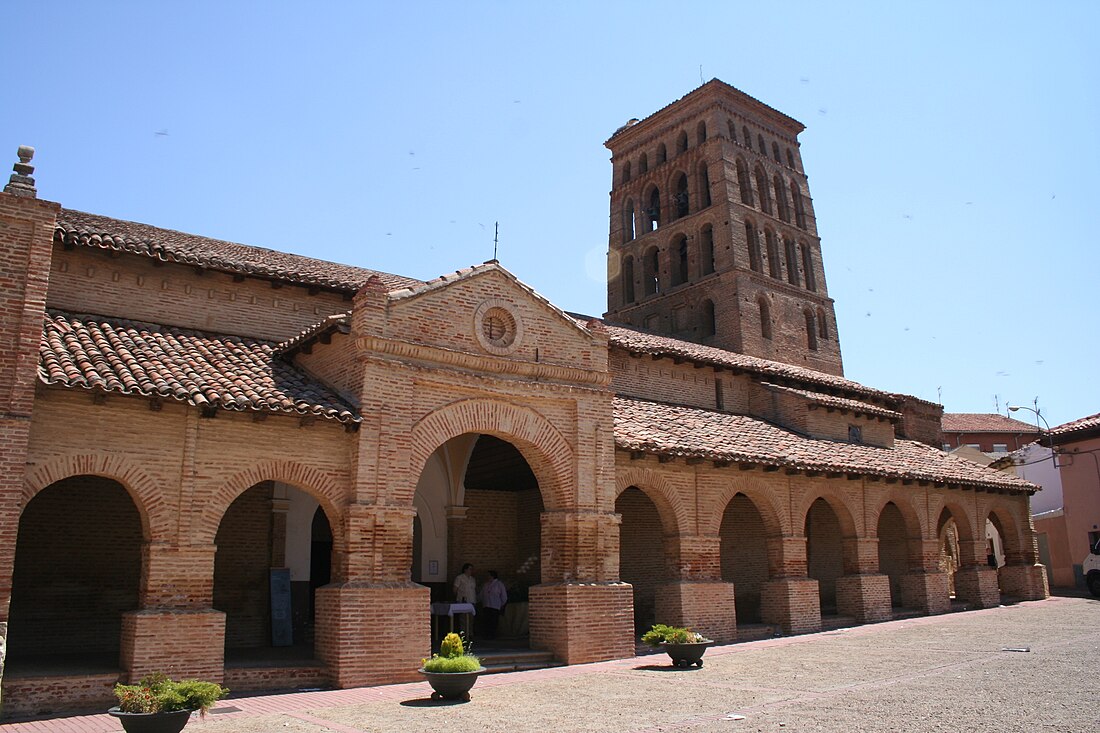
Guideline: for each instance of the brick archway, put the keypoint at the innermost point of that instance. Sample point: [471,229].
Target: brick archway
[765,501]
[158,518]
[321,486]
[538,441]
[667,500]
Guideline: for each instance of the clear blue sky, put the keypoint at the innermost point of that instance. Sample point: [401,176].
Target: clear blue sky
[952,150]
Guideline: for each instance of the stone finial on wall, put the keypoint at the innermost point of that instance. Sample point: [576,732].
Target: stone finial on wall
[21,183]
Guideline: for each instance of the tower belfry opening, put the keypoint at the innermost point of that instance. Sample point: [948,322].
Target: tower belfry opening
[724,194]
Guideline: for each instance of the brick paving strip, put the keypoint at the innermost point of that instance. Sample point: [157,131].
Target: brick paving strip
[299,705]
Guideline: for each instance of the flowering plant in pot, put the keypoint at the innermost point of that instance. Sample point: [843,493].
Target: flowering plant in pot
[157,704]
[686,647]
[451,672]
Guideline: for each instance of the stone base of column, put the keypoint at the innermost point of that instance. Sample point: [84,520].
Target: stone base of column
[793,604]
[706,607]
[1026,582]
[864,597]
[583,622]
[976,585]
[179,643]
[372,634]
[925,592]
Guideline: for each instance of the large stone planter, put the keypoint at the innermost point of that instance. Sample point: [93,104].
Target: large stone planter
[686,655]
[172,722]
[451,685]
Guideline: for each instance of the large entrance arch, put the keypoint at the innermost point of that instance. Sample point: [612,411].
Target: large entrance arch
[78,567]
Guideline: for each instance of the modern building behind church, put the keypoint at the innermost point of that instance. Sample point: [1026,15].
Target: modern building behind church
[185,420]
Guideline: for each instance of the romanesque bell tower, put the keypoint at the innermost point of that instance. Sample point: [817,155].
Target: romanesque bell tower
[713,237]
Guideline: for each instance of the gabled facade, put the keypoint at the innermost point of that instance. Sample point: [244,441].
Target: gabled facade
[211,449]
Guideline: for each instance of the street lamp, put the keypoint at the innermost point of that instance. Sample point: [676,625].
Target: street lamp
[1038,417]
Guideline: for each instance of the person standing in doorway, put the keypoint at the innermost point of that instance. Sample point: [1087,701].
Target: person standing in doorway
[465,587]
[494,596]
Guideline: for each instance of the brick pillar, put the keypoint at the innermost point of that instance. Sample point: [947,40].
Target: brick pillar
[863,592]
[581,611]
[976,582]
[924,588]
[1026,582]
[26,247]
[697,597]
[175,630]
[790,599]
[374,625]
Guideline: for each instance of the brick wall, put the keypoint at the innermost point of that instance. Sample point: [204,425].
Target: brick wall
[744,556]
[642,560]
[77,569]
[241,569]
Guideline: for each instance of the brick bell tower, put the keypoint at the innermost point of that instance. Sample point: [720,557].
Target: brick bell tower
[713,237]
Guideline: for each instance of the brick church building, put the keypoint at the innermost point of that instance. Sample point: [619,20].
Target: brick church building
[193,427]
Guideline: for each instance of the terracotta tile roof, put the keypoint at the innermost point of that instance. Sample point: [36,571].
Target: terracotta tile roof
[92,230]
[1085,423]
[981,422]
[642,342]
[336,322]
[674,430]
[207,370]
[837,403]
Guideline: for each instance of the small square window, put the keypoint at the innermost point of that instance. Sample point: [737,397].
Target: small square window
[855,434]
[1000,447]
[947,446]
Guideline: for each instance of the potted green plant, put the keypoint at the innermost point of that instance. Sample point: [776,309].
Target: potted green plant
[686,647]
[157,704]
[451,672]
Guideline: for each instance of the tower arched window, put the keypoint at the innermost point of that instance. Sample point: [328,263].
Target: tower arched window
[746,136]
[733,130]
[653,211]
[743,182]
[679,252]
[822,326]
[811,330]
[775,152]
[626,171]
[792,261]
[761,145]
[753,241]
[682,142]
[650,272]
[808,267]
[762,190]
[704,186]
[628,280]
[662,154]
[706,250]
[790,158]
[765,317]
[628,221]
[774,268]
[707,326]
[701,132]
[681,196]
[781,199]
[643,163]
[799,211]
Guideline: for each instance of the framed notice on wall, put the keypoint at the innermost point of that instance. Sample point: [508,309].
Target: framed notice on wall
[282,633]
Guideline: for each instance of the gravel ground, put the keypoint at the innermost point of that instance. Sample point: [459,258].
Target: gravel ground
[946,673]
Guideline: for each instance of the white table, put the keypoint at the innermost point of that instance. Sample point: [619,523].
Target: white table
[466,610]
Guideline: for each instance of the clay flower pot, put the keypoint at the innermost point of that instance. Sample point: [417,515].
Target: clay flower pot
[172,722]
[451,685]
[686,655]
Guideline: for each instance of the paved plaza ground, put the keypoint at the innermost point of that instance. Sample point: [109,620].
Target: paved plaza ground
[1028,667]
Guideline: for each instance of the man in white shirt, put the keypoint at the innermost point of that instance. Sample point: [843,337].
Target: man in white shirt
[465,587]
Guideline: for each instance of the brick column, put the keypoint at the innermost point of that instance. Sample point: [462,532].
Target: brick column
[581,611]
[863,592]
[175,630]
[697,597]
[1022,576]
[924,588]
[374,625]
[790,599]
[26,248]
[976,582]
